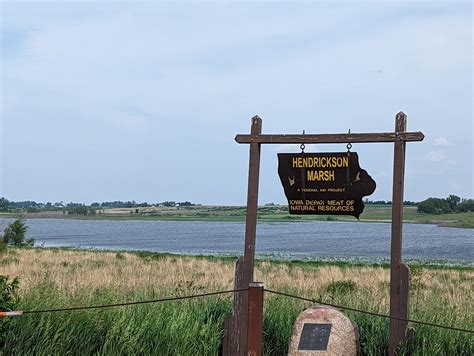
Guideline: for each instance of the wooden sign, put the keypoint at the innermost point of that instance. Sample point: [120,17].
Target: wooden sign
[324,183]
[358,179]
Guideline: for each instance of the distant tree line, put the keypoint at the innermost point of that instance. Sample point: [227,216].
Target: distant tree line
[452,204]
[80,208]
[387,202]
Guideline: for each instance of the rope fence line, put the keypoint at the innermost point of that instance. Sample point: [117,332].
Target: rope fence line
[370,313]
[24,312]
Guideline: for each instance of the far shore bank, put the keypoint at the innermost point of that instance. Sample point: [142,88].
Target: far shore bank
[275,213]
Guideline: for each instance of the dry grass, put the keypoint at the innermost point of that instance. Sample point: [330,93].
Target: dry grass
[63,278]
[72,271]
[76,270]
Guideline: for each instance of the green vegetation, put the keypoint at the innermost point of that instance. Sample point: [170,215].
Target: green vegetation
[411,215]
[279,213]
[8,301]
[438,295]
[452,211]
[185,328]
[33,206]
[14,234]
[4,204]
[452,204]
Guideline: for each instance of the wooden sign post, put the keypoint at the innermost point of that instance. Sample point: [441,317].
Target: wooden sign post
[250,226]
[398,271]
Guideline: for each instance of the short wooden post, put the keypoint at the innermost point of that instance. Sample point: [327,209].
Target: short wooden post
[255,319]
[231,341]
[399,272]
[403,302]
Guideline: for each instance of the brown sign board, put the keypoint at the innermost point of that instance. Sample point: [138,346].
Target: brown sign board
[324,183]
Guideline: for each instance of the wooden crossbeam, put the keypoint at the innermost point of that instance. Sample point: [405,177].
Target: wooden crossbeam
[331,138]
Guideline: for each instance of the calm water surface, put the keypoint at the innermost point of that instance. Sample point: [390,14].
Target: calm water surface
[301,240]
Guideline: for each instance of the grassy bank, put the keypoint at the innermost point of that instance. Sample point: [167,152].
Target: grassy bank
[276,213]
[52,278]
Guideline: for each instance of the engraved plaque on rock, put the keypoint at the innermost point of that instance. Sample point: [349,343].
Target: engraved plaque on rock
[324,331]
[314,337]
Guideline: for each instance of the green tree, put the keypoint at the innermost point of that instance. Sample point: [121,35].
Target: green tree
[14,234]
[77,209]
[453,201]
[466,205]
[434,206]
[4,204]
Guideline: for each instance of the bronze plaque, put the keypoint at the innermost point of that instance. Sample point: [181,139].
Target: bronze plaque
[324,183]
[314,337]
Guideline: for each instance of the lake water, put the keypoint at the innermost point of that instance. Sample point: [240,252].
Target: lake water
[295,240]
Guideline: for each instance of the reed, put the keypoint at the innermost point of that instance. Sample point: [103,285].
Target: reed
[52,278]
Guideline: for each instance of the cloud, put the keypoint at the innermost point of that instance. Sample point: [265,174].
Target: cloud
[292,148]
[127,74]
[442,141]
[437,156]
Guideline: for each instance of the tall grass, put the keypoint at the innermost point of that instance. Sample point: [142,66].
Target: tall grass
[184,328]
[63,278]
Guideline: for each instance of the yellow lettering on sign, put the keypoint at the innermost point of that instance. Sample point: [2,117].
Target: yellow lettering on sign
[320,176]
[320,162]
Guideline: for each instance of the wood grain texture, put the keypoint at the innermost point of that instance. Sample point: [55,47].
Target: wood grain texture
[331,138]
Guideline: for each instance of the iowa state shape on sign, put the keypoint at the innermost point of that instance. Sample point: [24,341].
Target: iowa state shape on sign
[324,183]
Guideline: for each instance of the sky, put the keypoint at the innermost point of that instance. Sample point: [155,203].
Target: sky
[108,100]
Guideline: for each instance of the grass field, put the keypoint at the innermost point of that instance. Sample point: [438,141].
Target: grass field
[381,213]
[55,278]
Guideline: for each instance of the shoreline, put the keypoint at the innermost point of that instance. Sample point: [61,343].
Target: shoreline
[431,220]
[338,261]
